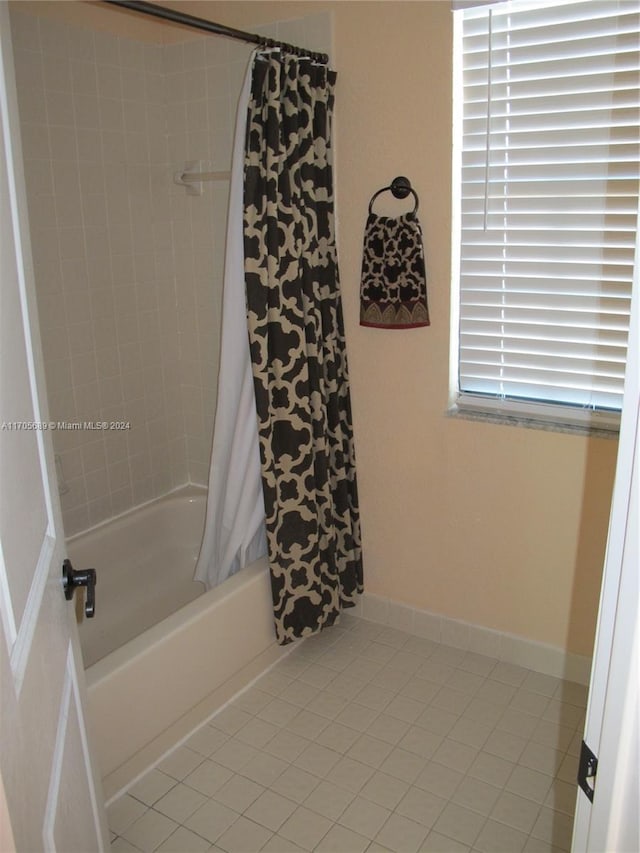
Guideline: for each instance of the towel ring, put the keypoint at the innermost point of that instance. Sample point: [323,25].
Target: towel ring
[400,187]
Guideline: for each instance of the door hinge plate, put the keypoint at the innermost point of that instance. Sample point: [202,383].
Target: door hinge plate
[587,769]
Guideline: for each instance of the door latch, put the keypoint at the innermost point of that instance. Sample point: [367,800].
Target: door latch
[71,579]
[587,769]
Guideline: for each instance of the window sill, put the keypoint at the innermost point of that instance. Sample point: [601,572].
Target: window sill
[530,423]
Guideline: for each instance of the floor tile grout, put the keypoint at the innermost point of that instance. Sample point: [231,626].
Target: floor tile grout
[378,664]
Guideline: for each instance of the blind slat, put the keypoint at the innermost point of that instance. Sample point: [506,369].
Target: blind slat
[524,221]
[531,105]
[622,205]
[564,287]
[555,172]
[526,301]
[527,73]
[607,360]
[557,189]
[485,254]
[475,86]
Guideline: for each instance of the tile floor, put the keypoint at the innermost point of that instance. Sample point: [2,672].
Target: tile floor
[369,739]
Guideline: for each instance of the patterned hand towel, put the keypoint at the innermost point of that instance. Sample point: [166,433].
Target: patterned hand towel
[393,290]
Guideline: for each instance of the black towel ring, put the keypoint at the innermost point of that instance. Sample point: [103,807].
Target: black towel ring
[400,187]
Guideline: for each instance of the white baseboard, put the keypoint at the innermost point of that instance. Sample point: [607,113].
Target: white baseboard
[510,648]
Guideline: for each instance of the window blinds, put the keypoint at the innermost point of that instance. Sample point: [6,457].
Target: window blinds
[549,199]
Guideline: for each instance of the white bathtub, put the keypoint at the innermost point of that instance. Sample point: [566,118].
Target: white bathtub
[144,561]
[154,689]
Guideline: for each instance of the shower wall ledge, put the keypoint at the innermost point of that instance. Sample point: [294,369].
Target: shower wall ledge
[508,648]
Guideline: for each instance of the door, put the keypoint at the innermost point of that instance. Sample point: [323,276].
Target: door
[611,821]
[50,795]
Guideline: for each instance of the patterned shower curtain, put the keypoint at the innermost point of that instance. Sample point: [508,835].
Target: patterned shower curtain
[297,342]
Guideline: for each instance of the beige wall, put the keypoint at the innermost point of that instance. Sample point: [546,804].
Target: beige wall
[496,525]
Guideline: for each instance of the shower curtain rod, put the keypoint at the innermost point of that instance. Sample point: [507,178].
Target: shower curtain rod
[216,29]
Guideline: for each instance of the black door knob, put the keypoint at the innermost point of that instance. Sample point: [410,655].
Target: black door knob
[71,579]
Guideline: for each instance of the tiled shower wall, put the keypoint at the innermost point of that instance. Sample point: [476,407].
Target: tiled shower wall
[202,80]
[128,266]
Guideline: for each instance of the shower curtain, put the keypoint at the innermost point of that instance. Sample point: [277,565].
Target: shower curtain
[298,354]
[234,534]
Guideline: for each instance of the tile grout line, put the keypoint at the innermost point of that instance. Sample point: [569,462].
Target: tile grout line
[308,657]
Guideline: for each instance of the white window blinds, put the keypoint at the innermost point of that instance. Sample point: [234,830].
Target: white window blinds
[548,206]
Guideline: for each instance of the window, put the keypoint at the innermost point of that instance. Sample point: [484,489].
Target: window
[546,154]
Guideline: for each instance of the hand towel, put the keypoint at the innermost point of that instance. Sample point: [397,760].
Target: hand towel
[393,290]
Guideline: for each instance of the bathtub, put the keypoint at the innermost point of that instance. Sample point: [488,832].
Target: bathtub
[144,561]
[158,685]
